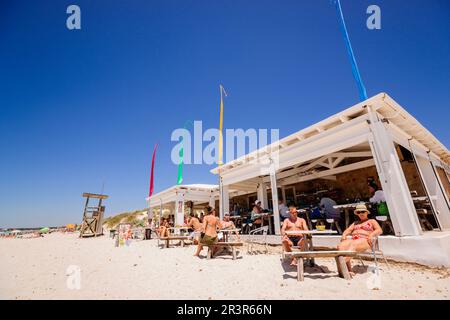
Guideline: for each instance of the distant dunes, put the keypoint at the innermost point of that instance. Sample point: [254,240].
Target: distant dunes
[136,218]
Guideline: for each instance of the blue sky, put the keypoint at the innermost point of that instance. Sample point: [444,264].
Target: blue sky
[79,108]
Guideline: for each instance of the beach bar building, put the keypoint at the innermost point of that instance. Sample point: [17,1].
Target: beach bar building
[179,198]
[374,138]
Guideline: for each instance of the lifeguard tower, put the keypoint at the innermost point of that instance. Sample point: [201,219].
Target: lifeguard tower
[93,216]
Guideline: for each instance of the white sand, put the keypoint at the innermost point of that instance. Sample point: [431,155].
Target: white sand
[36,269]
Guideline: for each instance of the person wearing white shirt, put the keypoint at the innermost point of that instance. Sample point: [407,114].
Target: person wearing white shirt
[283,210]
[327,204]
[378,194]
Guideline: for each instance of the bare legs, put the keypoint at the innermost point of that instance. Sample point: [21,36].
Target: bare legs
[199,249]
[358,245]
[287,245]
[162,231]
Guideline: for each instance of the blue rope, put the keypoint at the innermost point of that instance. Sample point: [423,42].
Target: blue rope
[355,71]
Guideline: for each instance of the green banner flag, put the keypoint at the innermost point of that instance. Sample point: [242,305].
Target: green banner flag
[180,165]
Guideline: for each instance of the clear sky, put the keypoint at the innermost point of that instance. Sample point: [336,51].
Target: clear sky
[83,107]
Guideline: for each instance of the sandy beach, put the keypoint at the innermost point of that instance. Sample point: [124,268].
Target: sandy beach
[37,269]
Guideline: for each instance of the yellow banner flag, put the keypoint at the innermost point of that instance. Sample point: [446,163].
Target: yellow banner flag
[222,92]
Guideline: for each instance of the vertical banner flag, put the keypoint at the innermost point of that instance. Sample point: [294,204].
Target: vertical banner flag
[180,164]
[222,92]
[181,154]
[355,71]
[150,191]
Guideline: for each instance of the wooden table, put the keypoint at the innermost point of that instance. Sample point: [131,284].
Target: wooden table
[174,230]
[231,246]
[308,236]
[420,199]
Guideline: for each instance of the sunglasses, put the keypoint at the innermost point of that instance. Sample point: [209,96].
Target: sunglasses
[361,212]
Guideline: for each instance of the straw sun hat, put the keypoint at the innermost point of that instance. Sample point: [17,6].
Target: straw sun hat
[361,208]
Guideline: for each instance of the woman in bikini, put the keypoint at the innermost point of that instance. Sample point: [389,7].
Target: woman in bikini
[209,230]
[358,237]
[163,229]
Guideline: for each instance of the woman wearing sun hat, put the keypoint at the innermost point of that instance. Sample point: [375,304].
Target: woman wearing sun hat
[358,236]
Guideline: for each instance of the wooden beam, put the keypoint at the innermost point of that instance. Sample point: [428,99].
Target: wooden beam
[337,161]
[94,195]
[330,172]
[352,154]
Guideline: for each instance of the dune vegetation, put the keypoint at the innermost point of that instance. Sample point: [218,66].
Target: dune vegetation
[136,218]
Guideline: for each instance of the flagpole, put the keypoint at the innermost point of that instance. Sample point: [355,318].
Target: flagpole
[351,55]
[220,162]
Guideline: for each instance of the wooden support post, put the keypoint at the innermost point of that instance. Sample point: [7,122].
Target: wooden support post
[342,268]
[309,247]
[300,276]
[274,188]
[234,252]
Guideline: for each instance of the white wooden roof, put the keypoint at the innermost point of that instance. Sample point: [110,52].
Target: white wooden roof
[191,192]
[382,103]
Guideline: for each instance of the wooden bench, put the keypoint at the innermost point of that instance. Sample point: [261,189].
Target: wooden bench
[167,240]
[231,245]
[337,255]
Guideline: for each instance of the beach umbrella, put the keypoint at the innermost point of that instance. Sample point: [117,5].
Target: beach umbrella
[44,230]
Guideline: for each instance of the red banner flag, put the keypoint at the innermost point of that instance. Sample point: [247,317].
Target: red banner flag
[150,192]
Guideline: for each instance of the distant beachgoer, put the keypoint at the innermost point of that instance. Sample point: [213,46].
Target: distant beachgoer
[226,223]
[361,232]
[283,210]
[236,210]
[128,236]
[256,213]
[378,198]
[163,230]
[327,204]
[293,223]
[209,230]
[196,227]
[376,193]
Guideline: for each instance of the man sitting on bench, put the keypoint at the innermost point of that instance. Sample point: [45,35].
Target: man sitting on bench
[293,223]
[226,223]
